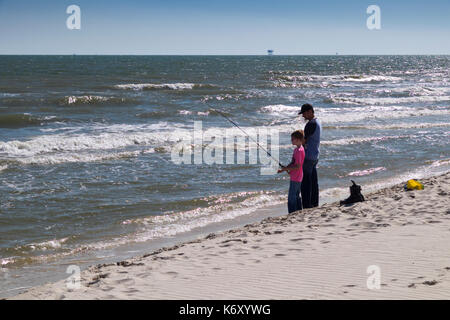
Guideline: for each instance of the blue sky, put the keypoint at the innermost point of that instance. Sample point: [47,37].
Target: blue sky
[224,27]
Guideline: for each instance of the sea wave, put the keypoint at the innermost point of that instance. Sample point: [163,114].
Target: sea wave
[356,140]
[412,91]
[360,173]
[386,101]
[437,163]
[393,126]
[295,84]
[280,109]
[56,148]
[69,100]
[188,112]
[162,86]
[223,207]
[104,142]
[352,114]
[24,120]
[336,78]
[95,100]
[234,95]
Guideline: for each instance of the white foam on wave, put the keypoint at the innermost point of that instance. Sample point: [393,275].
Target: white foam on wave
[360,173]
[101,138]
[199,113]
[104,142]
[352,114]
[280,109]
[6,94]
[295,84]
[3,168]
[84,99]
[169,86]
[338,78]
[235,97]
[373,78]
[415,91]
[387,101]
[6,261]
[46,245]
[175,223]
[355,140]
[403,126]
[438,163]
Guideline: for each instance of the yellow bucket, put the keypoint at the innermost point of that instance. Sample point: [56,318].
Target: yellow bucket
[414,185]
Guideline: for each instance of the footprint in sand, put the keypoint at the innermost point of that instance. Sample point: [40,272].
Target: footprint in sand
[131,291]
[124,281]
[430,282]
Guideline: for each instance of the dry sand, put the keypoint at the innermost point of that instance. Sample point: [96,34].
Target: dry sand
[321,253]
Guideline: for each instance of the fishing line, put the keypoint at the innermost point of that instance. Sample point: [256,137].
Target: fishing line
[237,126]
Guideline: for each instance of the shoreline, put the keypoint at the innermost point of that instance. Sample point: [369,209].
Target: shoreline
[317,253]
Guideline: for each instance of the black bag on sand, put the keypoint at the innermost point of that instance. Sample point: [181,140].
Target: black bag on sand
[355,195]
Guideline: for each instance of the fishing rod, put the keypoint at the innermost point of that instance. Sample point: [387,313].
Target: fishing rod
[236,125]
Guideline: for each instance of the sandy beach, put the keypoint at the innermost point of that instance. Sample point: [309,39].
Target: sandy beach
[328,252]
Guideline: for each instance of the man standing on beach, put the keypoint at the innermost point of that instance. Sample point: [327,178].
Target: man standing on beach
[310,185]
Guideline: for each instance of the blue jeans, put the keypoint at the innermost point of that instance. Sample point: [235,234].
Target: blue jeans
[294,198]
[310,185]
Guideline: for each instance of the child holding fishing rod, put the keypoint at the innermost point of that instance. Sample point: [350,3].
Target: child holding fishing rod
[295,170]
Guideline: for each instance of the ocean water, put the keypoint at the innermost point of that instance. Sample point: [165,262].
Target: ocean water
[86,144]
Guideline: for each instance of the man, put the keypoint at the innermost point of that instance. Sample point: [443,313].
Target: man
[310,185]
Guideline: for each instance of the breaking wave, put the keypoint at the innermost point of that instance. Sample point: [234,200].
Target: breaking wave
[366,172]
[70,100]
[162,86]
[386,101]
[334,78]
[351,114]
[95,100]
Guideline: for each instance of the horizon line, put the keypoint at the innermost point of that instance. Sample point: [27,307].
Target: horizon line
[205,55]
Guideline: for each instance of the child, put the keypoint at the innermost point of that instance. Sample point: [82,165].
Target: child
[295,170]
